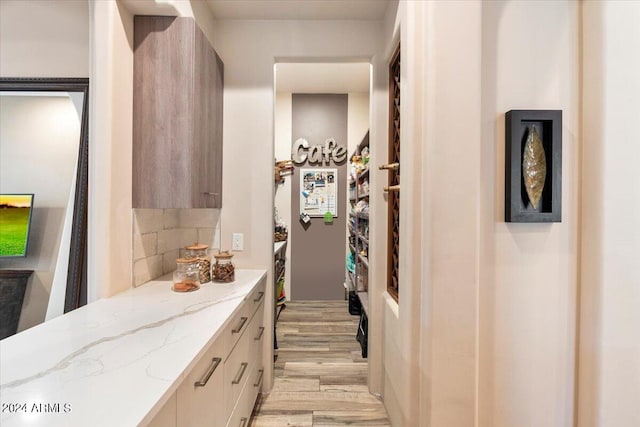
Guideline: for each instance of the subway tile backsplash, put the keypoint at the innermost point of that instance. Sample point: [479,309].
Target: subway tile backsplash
[159,234]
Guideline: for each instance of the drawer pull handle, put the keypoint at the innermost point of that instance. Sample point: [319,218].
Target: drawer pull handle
[257,384]
[260,334]
[260,295]
[243,320]
[243,367]
[214,364]
[243,422]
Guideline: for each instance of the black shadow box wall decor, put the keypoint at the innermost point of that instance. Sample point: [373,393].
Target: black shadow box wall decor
[533,166]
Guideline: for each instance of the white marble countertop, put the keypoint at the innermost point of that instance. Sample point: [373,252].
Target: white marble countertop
[114,362]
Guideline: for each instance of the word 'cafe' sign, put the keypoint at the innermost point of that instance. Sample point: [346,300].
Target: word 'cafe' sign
[317,153]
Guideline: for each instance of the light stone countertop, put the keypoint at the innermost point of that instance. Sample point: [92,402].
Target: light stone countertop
[116,361]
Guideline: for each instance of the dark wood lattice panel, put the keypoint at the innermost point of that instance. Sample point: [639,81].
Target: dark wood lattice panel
[393,237]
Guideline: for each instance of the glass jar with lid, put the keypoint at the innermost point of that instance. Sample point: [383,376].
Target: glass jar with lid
[200,253]
[223,269]
[186,278]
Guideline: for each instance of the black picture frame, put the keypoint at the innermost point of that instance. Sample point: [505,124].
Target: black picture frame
[516,204]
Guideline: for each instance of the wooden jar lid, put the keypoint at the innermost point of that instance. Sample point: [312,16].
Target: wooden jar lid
[223,255]
[197,246]
[186,260]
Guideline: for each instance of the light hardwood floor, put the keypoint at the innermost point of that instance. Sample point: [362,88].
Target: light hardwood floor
[320,376]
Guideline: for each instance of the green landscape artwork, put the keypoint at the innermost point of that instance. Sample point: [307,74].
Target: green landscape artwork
[15,212]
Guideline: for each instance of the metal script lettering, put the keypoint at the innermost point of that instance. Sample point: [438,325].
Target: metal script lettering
[316,154]
[296,156]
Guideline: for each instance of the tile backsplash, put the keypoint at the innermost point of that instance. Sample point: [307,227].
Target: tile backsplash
[159,234]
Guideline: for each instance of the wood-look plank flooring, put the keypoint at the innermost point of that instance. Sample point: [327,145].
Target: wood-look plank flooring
[320,375]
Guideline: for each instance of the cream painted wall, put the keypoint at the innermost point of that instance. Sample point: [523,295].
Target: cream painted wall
[383,312]
[282,201]
[358,119]
[46,38]
[609,345]
[475,347]
[528,272]
[357,126]
[249,50]
[451,189]
[110,123]
[398,323]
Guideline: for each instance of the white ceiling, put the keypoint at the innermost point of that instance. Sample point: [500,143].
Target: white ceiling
[150,7]
[322,78]
[367,10]
[357,10]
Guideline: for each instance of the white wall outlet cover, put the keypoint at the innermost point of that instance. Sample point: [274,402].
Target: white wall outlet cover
[237,243]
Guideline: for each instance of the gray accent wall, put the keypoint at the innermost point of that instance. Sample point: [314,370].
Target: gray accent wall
[318,250]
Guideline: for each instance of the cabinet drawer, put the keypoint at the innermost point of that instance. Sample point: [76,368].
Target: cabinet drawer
[257,333]
[167,415]
[255,383]
[237,369]
[236,328]
[241,414]
[244,361]
[257,296]
[241,320]
[201,395]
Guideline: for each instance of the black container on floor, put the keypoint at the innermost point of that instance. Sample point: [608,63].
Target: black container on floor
[355,307]
[362,336]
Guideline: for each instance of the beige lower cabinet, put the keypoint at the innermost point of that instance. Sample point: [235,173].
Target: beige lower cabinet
[200,397]
[221,390]
[245,372]
[167,415]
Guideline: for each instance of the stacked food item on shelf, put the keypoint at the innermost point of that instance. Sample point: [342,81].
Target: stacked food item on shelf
[352,191]
[280,230]
[359,163]
[358,258]
[363,188]
[362,207]
[358,224]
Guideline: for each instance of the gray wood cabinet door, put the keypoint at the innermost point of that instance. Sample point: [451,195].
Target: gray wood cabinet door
[177,115]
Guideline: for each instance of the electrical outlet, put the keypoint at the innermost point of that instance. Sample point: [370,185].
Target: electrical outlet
[238,242]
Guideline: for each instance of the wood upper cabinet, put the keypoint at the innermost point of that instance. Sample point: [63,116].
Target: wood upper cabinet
[177,115]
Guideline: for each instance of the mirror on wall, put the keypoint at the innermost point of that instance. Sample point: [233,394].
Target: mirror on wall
[43,154]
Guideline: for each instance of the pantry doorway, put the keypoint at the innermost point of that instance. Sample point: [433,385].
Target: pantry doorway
[321,117]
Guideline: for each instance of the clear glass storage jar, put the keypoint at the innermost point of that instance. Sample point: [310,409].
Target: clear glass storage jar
[200,253]
[186,278]
[223,268]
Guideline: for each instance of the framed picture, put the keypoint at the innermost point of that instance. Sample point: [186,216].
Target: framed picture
[533,166]
[319,191]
